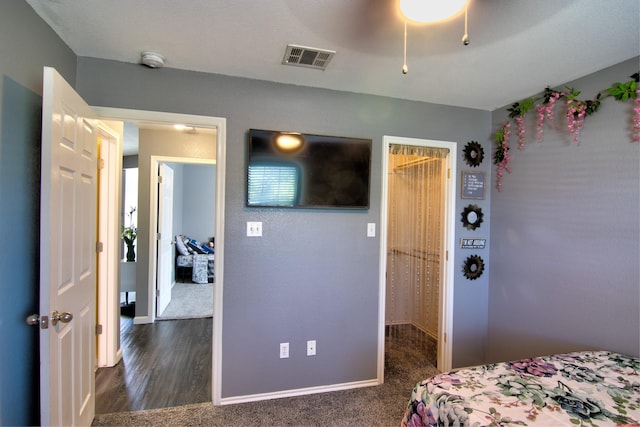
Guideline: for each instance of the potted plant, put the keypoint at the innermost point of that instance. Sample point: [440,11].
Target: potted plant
[129,234]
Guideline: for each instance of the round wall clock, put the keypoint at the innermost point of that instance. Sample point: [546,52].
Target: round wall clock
[472,217]
[473,153]
[473,267]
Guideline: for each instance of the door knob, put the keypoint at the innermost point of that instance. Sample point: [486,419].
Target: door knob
[64,317]
[35,320]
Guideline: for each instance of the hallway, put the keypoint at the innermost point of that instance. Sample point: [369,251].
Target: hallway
[164,364]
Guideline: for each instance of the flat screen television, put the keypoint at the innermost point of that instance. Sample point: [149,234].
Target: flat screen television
[295,170]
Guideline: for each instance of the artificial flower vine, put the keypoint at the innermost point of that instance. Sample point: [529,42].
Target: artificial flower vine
[636,117]
[502,153]
[577,111]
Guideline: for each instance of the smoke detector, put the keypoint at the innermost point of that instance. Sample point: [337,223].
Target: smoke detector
[308,57]
[152,59]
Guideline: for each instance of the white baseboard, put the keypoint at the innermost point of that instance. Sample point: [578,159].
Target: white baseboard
[142,320]
[298,392]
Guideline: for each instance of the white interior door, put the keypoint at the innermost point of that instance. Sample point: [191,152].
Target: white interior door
[67,255]
[165,241]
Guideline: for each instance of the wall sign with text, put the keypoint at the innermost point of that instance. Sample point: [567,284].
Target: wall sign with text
[473,185]
[472,243]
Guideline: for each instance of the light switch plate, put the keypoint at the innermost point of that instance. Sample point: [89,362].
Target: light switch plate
[371,229]
[284,350]
[254,228]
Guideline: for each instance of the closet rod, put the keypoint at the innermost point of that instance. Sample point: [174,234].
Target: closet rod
[416,162]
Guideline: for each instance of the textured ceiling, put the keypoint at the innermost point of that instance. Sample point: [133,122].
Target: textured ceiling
[517,47]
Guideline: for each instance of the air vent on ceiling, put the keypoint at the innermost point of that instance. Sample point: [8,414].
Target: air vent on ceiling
[309,57]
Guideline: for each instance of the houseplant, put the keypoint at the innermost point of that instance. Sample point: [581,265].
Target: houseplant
[129,234]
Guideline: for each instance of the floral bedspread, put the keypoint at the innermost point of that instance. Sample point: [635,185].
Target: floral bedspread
[593,388]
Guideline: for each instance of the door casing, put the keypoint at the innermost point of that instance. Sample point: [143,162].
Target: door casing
[109,237]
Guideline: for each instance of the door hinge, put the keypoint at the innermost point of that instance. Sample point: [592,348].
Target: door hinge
[98,329]
[446,256]
[445,337]
[100,164]
[159,179]
[99,247]
[449,173]
[157,293]
[159,236]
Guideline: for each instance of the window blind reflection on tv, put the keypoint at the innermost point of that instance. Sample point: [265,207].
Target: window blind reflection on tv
[295,170]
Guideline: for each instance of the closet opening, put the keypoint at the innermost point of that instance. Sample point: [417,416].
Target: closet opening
[418,203]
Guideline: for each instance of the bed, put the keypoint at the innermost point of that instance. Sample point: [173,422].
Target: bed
[194,259]
[199,268]
[596,388]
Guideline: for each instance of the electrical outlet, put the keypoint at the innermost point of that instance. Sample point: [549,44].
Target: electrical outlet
[284,350]
[311,348]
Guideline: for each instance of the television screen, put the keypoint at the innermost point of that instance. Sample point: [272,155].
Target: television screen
[294,170]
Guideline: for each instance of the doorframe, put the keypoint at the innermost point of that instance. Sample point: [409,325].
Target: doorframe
[109,236]
[220,123]
[153,223]
[445,322]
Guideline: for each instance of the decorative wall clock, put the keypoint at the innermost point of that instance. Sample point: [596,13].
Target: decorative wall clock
[473,267]
[472,217]
[473,153]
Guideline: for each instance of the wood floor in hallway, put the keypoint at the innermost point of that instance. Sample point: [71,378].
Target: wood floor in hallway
[164,364]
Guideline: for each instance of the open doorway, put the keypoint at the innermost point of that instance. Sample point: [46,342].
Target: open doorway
[145,276]
[186,244]
[129,220]
[417,238]
[158,365]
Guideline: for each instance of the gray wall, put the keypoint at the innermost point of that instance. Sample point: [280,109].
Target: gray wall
[314,275]
[565,236]
[130,161]
[26,45]
[199,190]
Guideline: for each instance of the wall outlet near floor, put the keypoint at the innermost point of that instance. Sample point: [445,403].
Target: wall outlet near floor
[284,350]
[311,348]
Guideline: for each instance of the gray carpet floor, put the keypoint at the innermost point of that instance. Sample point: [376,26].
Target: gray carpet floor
[409,358]
[189,301]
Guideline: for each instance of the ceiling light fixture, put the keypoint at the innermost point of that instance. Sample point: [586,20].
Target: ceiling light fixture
[431,11]
[424,11]
[152,59]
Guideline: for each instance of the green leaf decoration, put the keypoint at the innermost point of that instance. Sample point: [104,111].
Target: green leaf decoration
[526,105]
[622,92]
[520,109]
